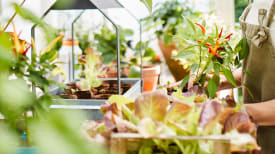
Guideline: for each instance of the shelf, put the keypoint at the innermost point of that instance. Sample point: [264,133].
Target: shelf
[92,106]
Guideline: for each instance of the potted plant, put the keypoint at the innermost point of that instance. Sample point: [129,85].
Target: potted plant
[150,69]
[210,54]
[27,119]
[106,45]
[166,20]
[90,86]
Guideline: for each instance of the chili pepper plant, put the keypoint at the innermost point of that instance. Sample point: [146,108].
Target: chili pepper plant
[210,54]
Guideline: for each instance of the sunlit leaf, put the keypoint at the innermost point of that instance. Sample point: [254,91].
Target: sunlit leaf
[53,43]
[191,24]
[194,67]
[6,53]
[229,76]
[152,105]
[124,126]
[11,106]
[148,4]
[184,81]
[28,15]
[187,99]
[242,48]
[216,67]
[212,88]
[60,133]
[148,128]
[9,139]
[184,55]
[120,100]
[177,111]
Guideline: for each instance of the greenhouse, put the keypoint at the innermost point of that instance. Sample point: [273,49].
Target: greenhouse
[137,77]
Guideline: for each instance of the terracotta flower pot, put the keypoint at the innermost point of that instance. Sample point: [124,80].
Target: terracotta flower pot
[150,75]
[112,73]
[174,66]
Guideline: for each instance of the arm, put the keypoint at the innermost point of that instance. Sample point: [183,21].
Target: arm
[224,84]
[262,113]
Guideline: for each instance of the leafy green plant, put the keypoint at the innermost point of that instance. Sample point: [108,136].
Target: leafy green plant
[149,57]
[209,54]
[91,73]
[157,114]
[84,39]
[28,119]
[106,43]
[239,8]
[148,4]
[167,17]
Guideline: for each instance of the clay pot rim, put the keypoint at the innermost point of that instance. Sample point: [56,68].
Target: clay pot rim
[151,67]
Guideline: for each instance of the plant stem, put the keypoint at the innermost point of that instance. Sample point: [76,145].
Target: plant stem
[198,66]
[13,16]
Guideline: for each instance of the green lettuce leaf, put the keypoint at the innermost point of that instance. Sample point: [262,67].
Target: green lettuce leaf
[177,111]
[152,105]
[148,128]
[185,98]
[120,100]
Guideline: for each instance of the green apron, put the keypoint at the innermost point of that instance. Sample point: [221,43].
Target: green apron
[259,69]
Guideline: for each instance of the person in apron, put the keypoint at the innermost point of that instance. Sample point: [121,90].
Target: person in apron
[258,76]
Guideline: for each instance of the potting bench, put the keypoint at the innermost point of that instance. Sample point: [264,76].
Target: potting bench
[121,143]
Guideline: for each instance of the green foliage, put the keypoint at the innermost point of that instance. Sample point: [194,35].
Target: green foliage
[91,73]
[239,8]
[167,18]
[60,133]
[84,38]
[210,54]
[28,15]
[242,49]
[106,43]
[184,81]
[28,112]
[212,86]
[158,115]
[58,44]
[148,4]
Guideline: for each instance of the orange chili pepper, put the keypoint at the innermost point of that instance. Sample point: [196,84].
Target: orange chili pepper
[19,47]
[202,27]
[212,50]
[16,41]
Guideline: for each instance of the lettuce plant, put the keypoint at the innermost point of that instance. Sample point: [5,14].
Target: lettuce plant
[91,73]
[156,114]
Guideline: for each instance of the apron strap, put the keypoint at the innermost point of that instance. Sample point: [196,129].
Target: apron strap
[270,14]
